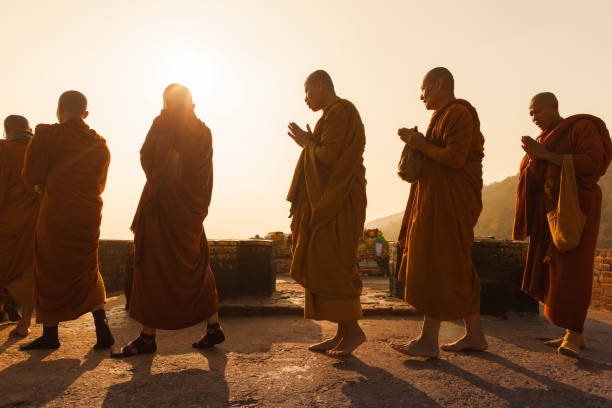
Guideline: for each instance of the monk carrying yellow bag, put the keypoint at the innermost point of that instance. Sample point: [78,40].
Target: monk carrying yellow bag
[567,221]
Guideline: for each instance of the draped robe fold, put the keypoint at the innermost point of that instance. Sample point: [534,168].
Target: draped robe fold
[328,203]
[564,283]
[443,206]
[174,286]
[18,213]
[69,161]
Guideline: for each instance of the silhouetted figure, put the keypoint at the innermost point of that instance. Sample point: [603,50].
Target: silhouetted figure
[328,203]
[67,164]
[173,285]
[561,280]
[18,214]
[438,227]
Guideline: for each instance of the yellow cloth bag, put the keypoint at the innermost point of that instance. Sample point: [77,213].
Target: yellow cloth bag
[567,221]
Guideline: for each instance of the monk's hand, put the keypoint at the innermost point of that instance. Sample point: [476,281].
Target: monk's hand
[534,149]
[412,137]
[301,136]
[38,188]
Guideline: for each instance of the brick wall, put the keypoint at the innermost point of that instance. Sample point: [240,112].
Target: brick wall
[602,281]
[240,267]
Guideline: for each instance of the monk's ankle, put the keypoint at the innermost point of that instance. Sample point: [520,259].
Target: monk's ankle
[48,341]
[214,335]
[104,336]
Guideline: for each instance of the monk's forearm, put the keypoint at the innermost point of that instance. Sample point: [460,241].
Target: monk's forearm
[554,158]
[444,156]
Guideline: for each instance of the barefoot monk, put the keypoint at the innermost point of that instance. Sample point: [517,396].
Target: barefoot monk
[328,203]
[438,227]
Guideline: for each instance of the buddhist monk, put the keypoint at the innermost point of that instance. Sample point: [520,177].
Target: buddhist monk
[438,227]
[18,214]
[561,280]
[67,164]
[174,286]
[328,203]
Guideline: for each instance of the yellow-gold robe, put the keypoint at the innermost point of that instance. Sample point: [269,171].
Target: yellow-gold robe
[438,227]
[328,203]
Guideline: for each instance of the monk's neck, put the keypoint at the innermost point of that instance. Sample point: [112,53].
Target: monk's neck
[328,101]
[445,100]
[555,123]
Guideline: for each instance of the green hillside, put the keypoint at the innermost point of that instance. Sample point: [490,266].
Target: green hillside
[498,212]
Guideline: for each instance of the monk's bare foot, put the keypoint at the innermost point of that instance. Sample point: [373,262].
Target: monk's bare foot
[20,331]
[326,344]
[348,344]
[473,343]
[418,348]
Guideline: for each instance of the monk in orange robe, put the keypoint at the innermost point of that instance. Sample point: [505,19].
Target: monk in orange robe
[174,286]
[328,203]
[67,164]
[438,227]
[18,213]
[561,280]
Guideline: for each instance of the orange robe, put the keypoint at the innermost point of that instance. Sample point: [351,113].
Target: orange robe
[174,286]
[328,203]
[69,161]
[438,226]
[564,284]
[18,213]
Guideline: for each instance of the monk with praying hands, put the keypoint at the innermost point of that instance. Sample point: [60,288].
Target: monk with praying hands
[328,203]
[438,227]
[18,215]
[67,164]
[561,277]
[174,287]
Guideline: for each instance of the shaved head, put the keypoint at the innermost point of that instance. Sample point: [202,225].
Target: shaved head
[319,90]
[546,99]
[437,89]
[15,123]
[177,96]
[544,110]
[320,75]
[73,103]
[442,74]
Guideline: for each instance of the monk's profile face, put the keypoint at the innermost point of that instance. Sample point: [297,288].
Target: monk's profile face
[314,91]
[430,93]
[543,113]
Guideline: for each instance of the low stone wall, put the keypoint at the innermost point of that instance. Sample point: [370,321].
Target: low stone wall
[241,268]
[500,266]
[602,281]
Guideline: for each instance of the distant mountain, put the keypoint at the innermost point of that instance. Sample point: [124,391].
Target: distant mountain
[498,212]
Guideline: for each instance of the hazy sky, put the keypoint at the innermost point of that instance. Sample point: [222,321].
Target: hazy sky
[245,63]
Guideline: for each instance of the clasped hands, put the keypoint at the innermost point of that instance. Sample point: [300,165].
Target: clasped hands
[301,136]
[412,137]
[534,149]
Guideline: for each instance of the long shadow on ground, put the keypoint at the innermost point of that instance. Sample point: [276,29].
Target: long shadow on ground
[548,393]
[380,388]
[191,387]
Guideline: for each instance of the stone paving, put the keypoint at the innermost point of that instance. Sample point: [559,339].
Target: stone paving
[289,300]
[264,363]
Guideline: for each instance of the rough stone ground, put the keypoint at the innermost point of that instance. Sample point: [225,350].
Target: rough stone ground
[264,363]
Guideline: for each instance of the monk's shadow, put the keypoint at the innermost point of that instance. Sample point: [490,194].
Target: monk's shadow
[529,331]
[553,392]
[380,388]
[10,340]
[35,382]
[190,387]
